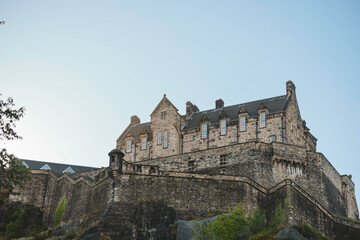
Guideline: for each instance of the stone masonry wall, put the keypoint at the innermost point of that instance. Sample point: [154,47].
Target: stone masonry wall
[190,196]
[165,118]
[267,164]
[193,141]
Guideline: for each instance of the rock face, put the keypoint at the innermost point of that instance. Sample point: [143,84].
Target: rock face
[120,220]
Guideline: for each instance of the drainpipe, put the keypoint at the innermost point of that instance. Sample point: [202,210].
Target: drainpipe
[182,144]
[208,136]
[256,130]
[134,150]
[282,129]
[150,151]
[237,133]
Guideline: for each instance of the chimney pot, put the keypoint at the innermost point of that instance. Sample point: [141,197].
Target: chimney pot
[219,103]
[135,119]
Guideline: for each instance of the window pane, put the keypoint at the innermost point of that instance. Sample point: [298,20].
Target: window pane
[128,146]
[159,138]
[242,124]
[166,139]
[223,127]
[143,143]
[204,130]
[262,120]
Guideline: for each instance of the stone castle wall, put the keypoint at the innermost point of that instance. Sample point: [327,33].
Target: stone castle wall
[269,164]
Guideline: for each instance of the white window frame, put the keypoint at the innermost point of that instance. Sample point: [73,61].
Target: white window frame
[159,138]
[273,138]
[223,127]
[143,143]
[243,124]
[128,146]
[204,133]
[166,139]
[262,120]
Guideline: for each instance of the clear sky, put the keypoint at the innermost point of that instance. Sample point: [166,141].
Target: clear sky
[82,68]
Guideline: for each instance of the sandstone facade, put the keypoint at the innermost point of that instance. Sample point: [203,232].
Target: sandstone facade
[202,174]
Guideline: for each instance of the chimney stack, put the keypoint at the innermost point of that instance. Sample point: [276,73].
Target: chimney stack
[190,108]
[290,89]
[219,103]
[134,120]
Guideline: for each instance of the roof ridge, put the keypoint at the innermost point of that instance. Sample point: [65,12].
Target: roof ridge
[239,104]
[22,159]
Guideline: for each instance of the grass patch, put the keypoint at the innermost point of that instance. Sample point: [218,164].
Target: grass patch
[308,232]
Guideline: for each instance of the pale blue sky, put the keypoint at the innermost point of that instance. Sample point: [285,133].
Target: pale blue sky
[82,68]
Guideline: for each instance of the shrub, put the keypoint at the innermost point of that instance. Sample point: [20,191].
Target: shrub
[257,221]
[227,227]
[60,211]
[308,232]
[278,217]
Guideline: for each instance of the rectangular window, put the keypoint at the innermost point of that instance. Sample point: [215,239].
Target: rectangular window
[272,138]
[159,138]
[291,125]
[143,143]
[128,146]
[223,159]
[297,132]
[204,131]
[242,124]
[166,139]
[262,120]
[223,127]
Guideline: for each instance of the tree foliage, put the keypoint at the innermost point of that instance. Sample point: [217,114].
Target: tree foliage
[12,172]
[60,211]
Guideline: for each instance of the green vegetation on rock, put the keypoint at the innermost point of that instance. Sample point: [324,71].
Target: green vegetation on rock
[60,211]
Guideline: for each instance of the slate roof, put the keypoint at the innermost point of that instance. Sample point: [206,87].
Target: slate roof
[58,168]
[138,129]
[274,105]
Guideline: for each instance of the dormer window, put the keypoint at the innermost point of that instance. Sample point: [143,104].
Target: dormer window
[143,143]
[204,130]
[223,126]
[166,139]
[262,119]
[159,138]
[128,146]
[243,124]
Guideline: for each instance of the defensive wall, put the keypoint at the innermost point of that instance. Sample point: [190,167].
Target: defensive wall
[268,164]
[193,196]
[205,183]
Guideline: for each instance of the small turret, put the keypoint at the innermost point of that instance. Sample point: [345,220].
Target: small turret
[115,161]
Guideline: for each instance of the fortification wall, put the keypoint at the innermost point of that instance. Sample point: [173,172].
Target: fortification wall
[269,164]
[192,195]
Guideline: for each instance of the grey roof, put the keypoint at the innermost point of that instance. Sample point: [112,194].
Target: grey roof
[58,168]
[274,105]
[137,129]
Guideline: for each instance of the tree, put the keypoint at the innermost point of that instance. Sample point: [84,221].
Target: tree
[60,211]
[12,172]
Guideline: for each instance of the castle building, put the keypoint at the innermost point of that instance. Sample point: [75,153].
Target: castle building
[276,119]
[259,153]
